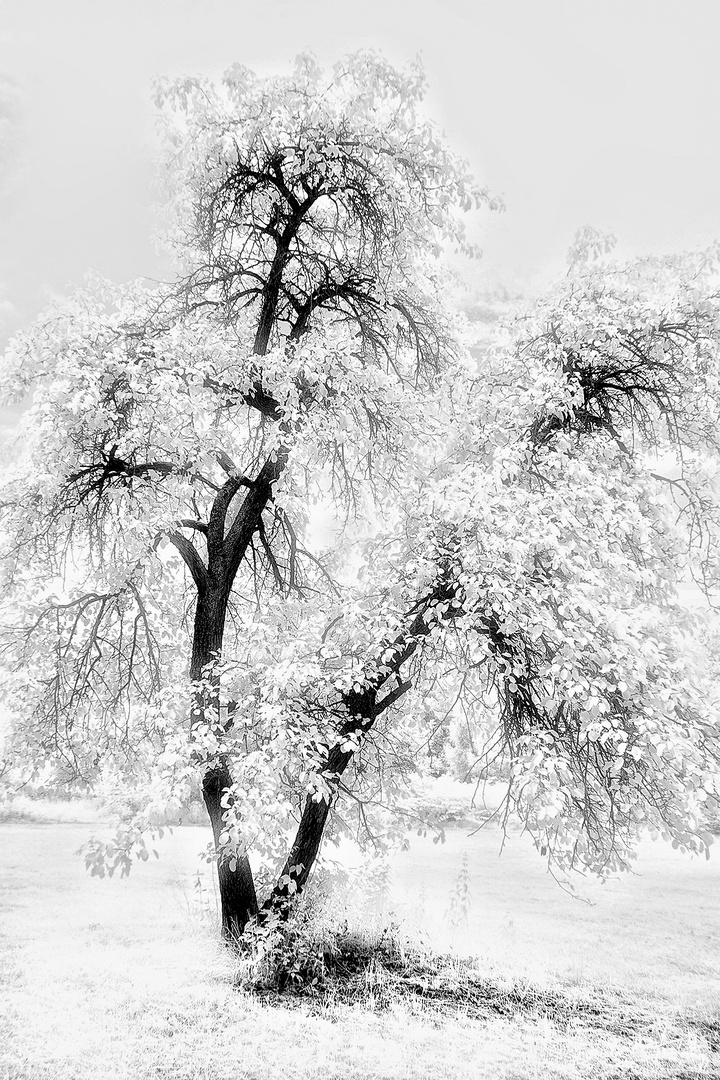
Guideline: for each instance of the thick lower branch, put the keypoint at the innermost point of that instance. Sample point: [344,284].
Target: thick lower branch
[363,707]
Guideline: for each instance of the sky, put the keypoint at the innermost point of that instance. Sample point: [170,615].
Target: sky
[600,113]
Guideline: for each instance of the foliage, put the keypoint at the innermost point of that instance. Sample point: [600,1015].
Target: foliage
[504,541]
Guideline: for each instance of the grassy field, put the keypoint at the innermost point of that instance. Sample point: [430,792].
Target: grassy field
[656,930]
[123,978]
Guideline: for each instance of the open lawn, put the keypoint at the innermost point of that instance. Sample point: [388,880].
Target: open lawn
[656,930]
[123,978]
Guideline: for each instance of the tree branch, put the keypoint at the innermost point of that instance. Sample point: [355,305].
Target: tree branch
[249,514]
[192,559]
[189,523]
[216,522]
[364,709]
[229,467]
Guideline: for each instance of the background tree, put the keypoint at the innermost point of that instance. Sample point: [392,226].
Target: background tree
[503,539]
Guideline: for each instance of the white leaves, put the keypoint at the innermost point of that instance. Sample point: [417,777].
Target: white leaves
[512,515]
[589,245]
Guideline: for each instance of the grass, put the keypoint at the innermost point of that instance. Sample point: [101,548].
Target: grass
[652,932]
[124,979]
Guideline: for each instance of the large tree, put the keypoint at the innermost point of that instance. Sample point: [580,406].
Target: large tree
[505,535]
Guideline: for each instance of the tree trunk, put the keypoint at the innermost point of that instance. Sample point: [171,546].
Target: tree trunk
[238,901]
[302,856]
[306,845]
[363,707]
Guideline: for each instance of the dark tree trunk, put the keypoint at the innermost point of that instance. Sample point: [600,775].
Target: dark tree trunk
[238,901]
[271,293]
[300,861]
[226,548]
[363,708]
[302,855]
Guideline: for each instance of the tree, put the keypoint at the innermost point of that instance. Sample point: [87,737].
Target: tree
[502,538]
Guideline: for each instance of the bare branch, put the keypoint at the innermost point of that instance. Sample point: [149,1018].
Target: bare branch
[190,523]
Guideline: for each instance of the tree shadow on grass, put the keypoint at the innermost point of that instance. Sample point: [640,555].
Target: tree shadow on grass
[318,967]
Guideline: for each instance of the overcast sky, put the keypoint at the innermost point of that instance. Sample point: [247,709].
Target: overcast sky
[602,113]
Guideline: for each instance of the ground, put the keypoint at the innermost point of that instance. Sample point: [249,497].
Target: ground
[124,979]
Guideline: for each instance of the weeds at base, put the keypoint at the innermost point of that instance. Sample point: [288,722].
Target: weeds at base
[309,964]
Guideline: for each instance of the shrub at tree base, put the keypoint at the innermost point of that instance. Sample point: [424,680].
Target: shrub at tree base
[505,529]
[317,962]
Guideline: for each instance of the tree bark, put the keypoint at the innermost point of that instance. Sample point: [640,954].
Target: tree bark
[363,708]
[300,861]
[226,548]
[238,900]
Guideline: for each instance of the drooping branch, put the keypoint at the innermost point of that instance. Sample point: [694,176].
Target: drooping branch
[93,479]
[104,653]
[630,377]
[111,465]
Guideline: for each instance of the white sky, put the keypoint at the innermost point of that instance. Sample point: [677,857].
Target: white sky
[602,113]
